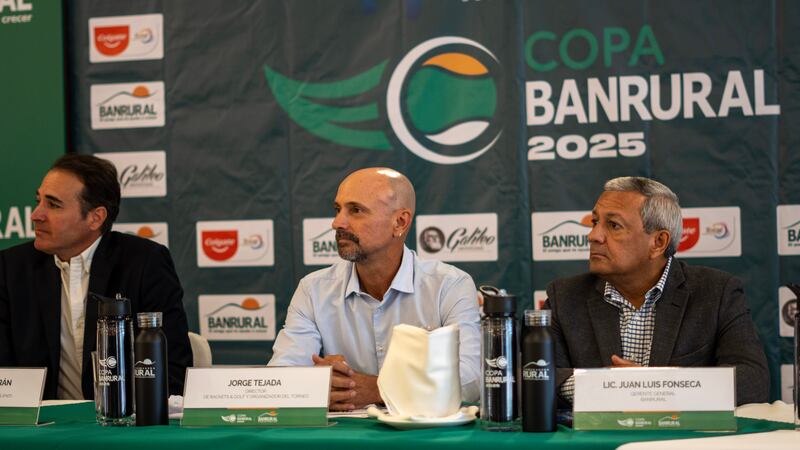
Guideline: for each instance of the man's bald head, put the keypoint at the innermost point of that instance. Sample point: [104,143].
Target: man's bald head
[387,185]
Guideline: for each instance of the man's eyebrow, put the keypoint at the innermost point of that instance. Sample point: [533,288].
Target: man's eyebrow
[53,199]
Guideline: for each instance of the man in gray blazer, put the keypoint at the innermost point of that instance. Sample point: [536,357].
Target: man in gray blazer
[639,306]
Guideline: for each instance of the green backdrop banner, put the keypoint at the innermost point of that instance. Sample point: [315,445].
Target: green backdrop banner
[233,123]
[31,108]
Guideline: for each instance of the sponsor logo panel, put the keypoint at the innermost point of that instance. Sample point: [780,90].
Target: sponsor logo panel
[244,317]
[127,105]
[561,236]
[141,174]
[788,229]
[235,243]
[787,383]
[457,237]
[126,38]
[319,242]
[711,232]
[155,231]
[787,308]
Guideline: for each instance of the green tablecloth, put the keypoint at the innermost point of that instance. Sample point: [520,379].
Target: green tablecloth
[74,428]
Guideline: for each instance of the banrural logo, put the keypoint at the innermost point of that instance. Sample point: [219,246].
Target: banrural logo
[561,235]
[155,231]
[237,317]
[441,103]
[127,105]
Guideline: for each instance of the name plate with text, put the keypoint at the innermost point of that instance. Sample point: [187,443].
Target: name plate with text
[256,396]
[652,398]
[20,395]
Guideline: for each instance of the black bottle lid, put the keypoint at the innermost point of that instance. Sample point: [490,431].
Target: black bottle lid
[498,302]
[112,307]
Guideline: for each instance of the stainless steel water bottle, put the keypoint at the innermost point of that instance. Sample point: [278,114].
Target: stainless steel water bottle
[538,373]
[498,361]
[150,371]
[114,365]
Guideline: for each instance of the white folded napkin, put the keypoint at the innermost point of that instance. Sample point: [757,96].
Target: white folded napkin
[420,375]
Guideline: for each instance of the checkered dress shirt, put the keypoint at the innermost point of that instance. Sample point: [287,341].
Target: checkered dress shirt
[635,326]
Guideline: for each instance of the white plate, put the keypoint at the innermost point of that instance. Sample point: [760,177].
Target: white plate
[466,416]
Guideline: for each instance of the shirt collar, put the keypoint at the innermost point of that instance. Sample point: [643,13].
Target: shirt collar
[612,295]
[403,280]
[86,257]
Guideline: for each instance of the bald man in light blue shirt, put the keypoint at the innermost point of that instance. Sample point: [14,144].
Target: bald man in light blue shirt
[347,311]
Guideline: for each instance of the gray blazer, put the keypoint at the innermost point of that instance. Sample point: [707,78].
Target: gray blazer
[702,319]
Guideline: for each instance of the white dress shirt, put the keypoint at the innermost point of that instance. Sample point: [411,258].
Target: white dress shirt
[74,287]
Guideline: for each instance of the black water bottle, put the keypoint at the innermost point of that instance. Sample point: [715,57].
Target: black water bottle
[150,371]
[113,365]
[538,373]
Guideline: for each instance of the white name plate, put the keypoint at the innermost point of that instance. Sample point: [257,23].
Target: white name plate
[20,395]
[256,396]
[689,398]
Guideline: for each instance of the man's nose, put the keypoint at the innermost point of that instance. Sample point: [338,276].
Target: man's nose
[339,222]
[596,234]
[38,213]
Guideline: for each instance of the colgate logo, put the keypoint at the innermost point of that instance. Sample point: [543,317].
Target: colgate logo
[220,245]
[111,41]
[691,233]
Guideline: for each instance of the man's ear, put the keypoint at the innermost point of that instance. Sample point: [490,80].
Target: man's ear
[97,217]
[402,222]
[660,242]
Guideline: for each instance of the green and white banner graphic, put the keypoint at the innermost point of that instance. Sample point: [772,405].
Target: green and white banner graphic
[507,116]
[32,125]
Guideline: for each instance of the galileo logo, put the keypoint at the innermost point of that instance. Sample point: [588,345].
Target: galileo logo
[127,105]
[458,237]
[235,243]
[126,38]
[559,236]
[141,174]
[787,308]
[319,242]
[710,232]
[441,102]
[788,229]
[237,317]
[145,368]
[155,231]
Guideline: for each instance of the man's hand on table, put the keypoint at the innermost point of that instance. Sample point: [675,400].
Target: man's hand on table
[616,361]
[349,389]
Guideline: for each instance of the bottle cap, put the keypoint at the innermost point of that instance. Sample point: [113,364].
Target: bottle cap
[498,302]
[537,317]
[111,307]
[149,319]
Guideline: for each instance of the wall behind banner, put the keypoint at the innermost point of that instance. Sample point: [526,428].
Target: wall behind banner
[31,108]
[233,123]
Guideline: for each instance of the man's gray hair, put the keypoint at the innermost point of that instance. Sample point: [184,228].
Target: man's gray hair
[660,210]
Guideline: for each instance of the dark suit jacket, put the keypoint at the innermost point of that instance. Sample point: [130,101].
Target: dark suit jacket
[30,305]
[702,319]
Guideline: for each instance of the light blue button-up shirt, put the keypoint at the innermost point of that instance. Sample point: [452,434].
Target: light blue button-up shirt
[330,314]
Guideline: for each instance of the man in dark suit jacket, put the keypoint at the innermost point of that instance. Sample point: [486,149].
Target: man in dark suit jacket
[639,306]
[77,203]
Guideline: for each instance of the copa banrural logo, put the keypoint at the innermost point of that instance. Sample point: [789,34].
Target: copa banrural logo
[441,102]
[588,97]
